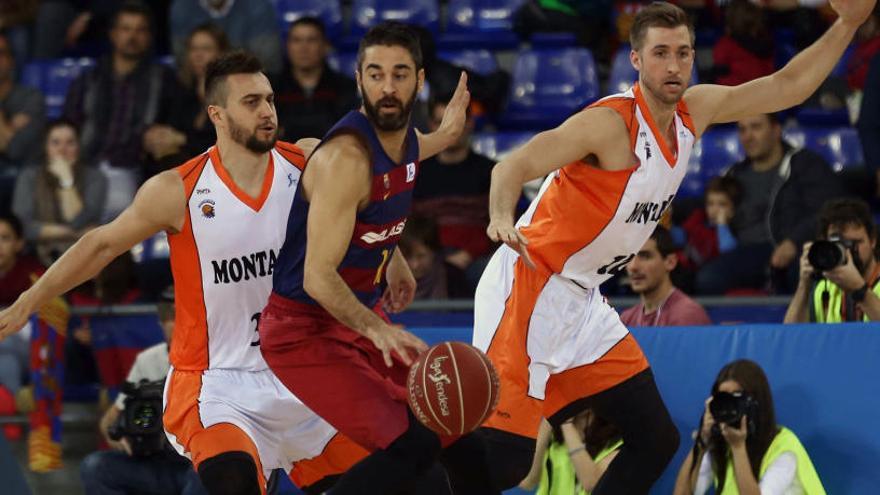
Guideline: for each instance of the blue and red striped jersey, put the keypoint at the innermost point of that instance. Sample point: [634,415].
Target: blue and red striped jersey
[377,228]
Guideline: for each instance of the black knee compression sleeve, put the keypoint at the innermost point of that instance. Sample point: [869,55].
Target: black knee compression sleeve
[230,473]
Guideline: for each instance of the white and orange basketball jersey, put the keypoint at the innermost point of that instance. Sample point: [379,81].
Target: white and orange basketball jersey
[221,286]
[586,223]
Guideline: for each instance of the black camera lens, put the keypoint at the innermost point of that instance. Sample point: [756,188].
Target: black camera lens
[728,408]
[826,255]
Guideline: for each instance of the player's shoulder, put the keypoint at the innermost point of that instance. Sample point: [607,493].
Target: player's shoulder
[349,145]
[293,153]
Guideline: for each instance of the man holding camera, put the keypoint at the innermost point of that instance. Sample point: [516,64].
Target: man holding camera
[839,273]
[126,468]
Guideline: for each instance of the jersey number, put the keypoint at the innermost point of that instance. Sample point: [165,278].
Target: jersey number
[378,279]
[256,319]
[616,266]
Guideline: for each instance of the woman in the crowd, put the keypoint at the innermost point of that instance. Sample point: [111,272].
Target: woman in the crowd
[58,200]
[753,456]
[569,460]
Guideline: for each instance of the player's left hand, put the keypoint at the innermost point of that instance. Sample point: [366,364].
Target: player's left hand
[853,12]
[455,115]
[401,284]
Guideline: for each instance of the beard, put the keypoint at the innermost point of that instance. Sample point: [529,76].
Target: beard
[250,141]
[388,123]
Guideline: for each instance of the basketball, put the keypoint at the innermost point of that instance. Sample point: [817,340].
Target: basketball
[453,388]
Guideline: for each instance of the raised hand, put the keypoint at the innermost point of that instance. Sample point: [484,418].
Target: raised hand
[853,12]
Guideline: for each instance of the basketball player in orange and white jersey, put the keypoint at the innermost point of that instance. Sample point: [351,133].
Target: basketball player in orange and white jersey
[226,213]
[614,168]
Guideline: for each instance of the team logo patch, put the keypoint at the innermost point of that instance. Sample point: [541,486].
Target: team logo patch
[410,172]
[207,208]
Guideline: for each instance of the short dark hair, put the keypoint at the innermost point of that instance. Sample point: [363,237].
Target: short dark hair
[234,62]
[214,31]
[663,239]
[844,212]
[420,229]
[726,185]
[391,33]
[13,222]
[133,7]
[657,14]
[315,22]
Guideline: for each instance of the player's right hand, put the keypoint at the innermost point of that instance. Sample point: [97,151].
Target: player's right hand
[393,338]
[510,235]
[12,319]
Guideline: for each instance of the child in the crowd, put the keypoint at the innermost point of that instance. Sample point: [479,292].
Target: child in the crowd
[435,277]
[708,230]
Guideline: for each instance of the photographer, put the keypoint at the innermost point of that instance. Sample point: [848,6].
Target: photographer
[739,445]
[123,469]
[839,275]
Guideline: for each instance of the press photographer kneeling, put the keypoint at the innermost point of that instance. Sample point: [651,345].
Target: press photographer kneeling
[839,273]
[141,460]
[740,448]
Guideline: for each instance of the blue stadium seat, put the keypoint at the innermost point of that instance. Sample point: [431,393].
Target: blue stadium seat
[367,13]
[496,145]
[694,183]
[486,23]
[480,61]
[719,149]
[329,11]
[623,74]
[344,62]
[548,86]
[58,76]
[840,146]
[820,117]
[33,74]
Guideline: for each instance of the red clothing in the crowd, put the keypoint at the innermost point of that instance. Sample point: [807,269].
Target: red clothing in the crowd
[702,239]
[857,67]
[677,310]
[19,279]
[743,65]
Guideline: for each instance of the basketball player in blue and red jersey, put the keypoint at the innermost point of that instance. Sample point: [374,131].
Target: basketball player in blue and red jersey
[611,171]
[319,333]
[225,212]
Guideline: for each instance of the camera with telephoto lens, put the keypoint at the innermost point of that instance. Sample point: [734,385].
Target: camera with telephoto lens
[141,421]
[729,408]
[828,254]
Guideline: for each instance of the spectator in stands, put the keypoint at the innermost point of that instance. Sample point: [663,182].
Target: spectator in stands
[187,130]
[707,230]
[249,24]
[745,52]
[754,455]
[116,470]
[782,190]
[570,459]
[662,304]
[865,46]
[22,115]
[869,122]
[62,197]
[453,190]
[435,277]
[17,271]
[309,95]
[850,291]
[116,101]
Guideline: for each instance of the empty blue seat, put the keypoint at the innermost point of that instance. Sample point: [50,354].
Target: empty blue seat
[549,85]
[479,61]
[367,13]
[694,182]
[820,117]
[719,148]
[840,146]
[497,145]
[345,62]
[488,23]
[58,76]
[329,11]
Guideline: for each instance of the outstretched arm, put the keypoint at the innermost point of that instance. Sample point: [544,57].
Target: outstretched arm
[159,205]
[452,125]
[787,87]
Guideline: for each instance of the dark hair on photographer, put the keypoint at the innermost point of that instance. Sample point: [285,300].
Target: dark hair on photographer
[749,375]
[845,212]
[663,240]
[726,185]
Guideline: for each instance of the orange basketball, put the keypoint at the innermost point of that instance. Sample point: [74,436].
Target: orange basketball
[453,388]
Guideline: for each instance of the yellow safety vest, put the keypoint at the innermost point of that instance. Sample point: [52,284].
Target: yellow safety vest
[785,441]
[564,480]
[832,310]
